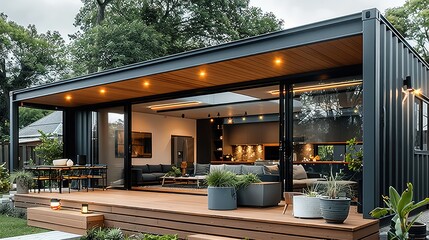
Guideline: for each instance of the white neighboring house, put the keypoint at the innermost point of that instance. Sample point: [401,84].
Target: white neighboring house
[29,136]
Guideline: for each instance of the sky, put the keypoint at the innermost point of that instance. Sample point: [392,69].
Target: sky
[59,15]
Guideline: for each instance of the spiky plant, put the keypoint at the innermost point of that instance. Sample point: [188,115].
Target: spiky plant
[243,181]
[221,178]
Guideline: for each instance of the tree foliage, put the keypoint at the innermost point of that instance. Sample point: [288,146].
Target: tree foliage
[412,21]
[30,115]
[27,58]
[118,32]
[49,149]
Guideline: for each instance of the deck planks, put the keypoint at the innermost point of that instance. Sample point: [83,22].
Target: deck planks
[182,214]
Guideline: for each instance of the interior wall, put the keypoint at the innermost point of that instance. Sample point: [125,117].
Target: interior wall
[162,127]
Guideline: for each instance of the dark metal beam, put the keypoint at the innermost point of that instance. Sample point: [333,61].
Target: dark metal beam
[14,135]
[288,143]
[127,145]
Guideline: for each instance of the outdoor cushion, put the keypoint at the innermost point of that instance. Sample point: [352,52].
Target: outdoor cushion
[258,170]
[144,168]
[271,169]
[158,175]
[155,168]
[217,167]
[233,168]
[166,168]
[148,177]
[299,172]
[201,169]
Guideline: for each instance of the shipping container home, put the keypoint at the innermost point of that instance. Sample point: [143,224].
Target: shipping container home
[311,87]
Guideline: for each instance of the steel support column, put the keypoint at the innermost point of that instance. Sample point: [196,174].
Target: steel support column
[14,135]
[285,136]
[127,145]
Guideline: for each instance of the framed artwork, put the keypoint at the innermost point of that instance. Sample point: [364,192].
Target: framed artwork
[141,144]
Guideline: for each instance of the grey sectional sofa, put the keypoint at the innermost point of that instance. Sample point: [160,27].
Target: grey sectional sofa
[148,173]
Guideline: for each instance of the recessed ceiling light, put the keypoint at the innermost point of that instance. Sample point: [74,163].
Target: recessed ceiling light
[146,84]
[68,97]
[230,121]
[278,61]
[102,91]
[202,73]
[261,117]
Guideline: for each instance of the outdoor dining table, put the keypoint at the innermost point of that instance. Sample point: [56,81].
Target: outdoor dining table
[55,173]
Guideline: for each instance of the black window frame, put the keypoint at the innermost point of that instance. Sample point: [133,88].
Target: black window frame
[418,124]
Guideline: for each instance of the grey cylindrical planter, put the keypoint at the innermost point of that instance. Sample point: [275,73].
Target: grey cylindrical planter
[335,210]
[222,198]
[262,194]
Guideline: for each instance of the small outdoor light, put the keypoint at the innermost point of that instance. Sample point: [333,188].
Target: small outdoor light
[84,209]
[407,85]
[55,204]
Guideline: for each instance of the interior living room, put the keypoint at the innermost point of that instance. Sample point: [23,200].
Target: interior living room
[236,127]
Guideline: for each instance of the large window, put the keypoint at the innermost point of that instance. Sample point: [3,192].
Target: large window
[421,124]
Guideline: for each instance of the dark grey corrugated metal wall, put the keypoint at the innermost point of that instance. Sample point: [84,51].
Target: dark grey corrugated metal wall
[390,159]
[399,162]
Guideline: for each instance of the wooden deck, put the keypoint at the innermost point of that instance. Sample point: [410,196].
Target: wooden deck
[167,213]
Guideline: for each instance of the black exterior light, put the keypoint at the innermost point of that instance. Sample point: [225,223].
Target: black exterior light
[407,85]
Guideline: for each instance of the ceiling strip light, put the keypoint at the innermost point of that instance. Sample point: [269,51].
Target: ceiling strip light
[173,105]
[320,87]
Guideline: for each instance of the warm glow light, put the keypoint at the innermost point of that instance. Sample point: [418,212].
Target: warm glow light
[68,97]
[202,73]
[278,61]
[84,209]
[102,91]
[243,118]
[320,87]
[229,120]
[211,120]
[173,105]
[261,117]
[146,84]
[417,92]
[55,204]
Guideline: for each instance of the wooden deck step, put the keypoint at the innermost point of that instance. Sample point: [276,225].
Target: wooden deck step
[63,220]
[209,237]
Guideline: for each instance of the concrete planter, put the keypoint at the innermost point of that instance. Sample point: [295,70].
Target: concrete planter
[306,207]
[335,210]
[21,187]
[221,198]
[264,194]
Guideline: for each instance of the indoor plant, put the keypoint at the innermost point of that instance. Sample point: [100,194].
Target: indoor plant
[354,159]
[308,204]
[401,206]
[174,172]
[23,179]
[221,190]
[334,208]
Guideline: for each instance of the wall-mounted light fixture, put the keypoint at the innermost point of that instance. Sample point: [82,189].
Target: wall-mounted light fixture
[407,84]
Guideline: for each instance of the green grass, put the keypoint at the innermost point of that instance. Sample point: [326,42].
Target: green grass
[11,227]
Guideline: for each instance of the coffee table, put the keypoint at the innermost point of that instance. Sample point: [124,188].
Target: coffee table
[193,179]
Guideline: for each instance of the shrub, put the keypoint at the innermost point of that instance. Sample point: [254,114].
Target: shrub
[6,209]
[243,181]
[4,179]
[221,178]
[49,149]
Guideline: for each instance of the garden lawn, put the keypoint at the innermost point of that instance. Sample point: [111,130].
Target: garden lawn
[11,227]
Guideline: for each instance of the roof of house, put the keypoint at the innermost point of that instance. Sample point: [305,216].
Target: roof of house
[50,124]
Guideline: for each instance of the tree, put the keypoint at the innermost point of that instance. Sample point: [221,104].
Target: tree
[49,149]
[30,115]
[412,21]
[27,58]
[120,32]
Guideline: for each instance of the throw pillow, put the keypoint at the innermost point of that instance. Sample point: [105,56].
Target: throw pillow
[271,169]
[299,172]
[217,167]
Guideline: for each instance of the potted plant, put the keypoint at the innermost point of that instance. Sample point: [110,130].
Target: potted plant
[252,192]
[334,205]
[308,204]
[23,180]
[221,190]
[401,206]
[174,172]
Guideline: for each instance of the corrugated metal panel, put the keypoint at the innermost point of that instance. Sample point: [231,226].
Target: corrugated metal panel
[399,162]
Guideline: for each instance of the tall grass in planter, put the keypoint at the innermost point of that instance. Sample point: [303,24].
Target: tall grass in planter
[221,190]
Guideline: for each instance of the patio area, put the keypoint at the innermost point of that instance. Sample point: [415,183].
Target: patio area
[185,215]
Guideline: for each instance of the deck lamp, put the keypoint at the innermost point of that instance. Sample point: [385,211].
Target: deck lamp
[84,209]
[407,85]
[55,204]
